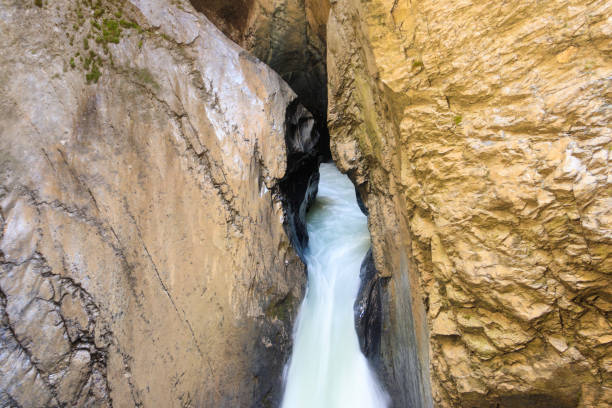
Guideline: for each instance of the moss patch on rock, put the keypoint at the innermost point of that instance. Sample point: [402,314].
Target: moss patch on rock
[102,22]
[282,309]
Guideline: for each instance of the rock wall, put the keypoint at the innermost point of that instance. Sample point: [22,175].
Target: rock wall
[288,35]
[479,135]
[143,261]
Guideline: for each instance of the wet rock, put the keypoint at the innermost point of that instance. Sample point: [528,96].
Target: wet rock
[368,309]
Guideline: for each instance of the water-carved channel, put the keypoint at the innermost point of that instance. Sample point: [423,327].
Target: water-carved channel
[327,368]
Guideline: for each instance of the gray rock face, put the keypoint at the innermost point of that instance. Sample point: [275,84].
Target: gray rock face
[143,260]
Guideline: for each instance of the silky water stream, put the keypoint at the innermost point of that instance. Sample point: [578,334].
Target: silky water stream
[327,368]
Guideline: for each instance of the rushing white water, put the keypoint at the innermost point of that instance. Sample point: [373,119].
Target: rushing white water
[327,368]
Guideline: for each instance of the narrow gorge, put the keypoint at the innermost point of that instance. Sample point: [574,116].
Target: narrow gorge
[327,367]
[306,203]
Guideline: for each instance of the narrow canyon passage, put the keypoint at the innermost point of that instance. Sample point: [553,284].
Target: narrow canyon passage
[327,368]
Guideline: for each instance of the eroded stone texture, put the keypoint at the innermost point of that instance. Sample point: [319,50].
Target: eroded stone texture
[143,257]
[288,35]
[479,133]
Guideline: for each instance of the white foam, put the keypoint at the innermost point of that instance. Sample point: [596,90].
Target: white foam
[327,368]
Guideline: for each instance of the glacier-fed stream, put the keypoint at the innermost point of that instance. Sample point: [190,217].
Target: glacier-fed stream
[327,368]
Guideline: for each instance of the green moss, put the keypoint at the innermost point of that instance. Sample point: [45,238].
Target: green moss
[457,120]
[93,75]
[282,309]
[140,44]
[417,64]
[111,33]
[106,25]
[89,60]
[38,3]
[128,24]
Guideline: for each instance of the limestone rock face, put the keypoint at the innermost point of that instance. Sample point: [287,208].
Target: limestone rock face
[143,260]
[288,35]
[479,134]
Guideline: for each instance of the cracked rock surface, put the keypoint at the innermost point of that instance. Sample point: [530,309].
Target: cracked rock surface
[479,134]
[143,261]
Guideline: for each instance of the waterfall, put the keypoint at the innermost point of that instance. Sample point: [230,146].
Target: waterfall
[327,368]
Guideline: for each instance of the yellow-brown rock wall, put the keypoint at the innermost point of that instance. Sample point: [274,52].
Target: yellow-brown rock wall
[480,135]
